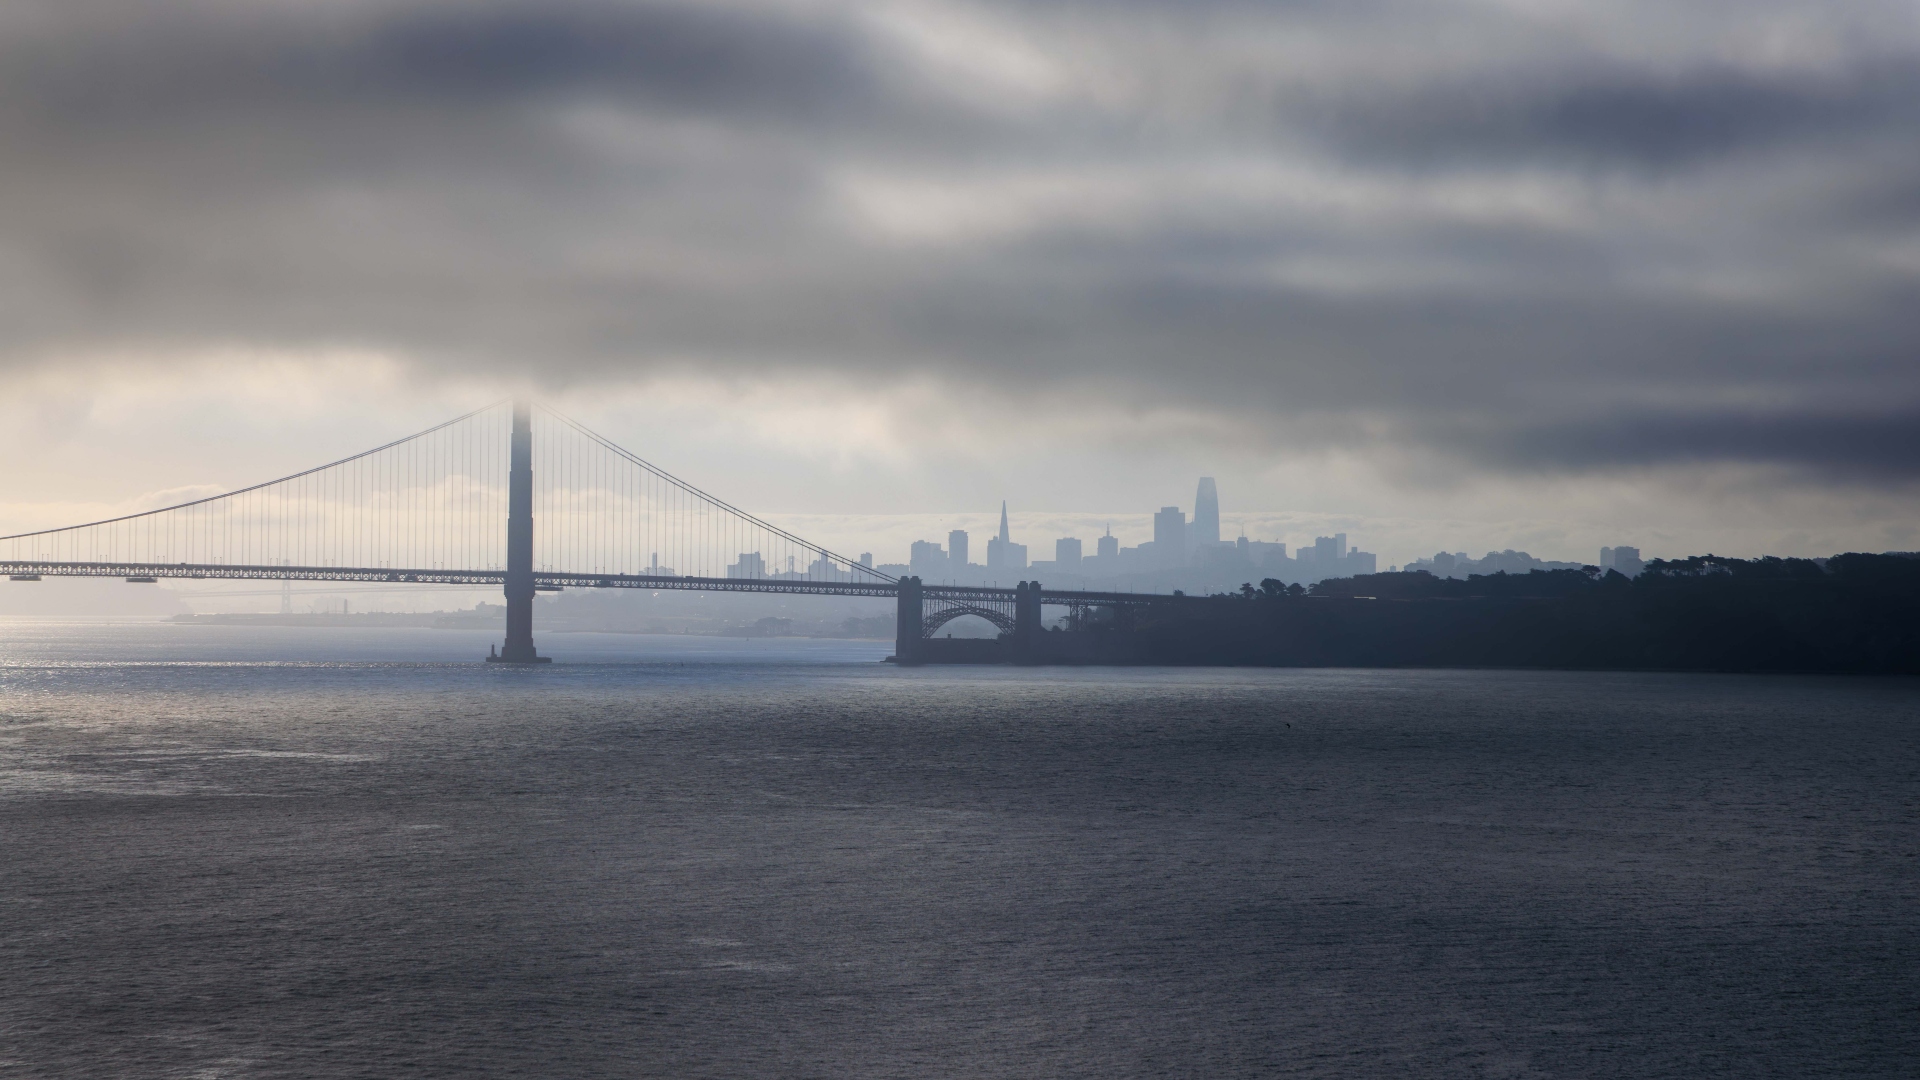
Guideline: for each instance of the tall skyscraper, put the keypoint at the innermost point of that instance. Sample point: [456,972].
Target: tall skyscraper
[1108,546]
[1170,536]
[1002,552]
[1066,554]
[1326,551]
[957,550]
[927,560]
[1206,514]
[1624,559]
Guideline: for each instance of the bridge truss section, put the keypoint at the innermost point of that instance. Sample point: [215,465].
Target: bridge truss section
[939,606]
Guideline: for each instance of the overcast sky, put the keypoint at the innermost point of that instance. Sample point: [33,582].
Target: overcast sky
[1535,273]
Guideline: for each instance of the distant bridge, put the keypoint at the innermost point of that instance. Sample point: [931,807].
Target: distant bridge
[430,509]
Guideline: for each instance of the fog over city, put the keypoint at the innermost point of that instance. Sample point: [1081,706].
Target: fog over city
[1438,277]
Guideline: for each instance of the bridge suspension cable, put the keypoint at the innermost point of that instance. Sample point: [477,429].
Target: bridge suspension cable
[600,508]
[426,501]
[437,501]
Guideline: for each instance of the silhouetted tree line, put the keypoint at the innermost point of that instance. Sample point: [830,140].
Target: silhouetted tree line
[1854,613]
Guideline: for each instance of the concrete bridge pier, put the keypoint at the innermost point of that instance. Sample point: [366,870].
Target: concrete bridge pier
[907,623]
[1026,623]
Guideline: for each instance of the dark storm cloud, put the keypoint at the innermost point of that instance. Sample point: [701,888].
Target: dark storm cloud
[1622,116]
[684,58]
[1862,444]
[1577,237]
[162,70]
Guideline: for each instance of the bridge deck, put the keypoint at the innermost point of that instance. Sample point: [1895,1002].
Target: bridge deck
[555,579]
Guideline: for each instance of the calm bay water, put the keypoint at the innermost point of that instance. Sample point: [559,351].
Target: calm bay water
[252,852]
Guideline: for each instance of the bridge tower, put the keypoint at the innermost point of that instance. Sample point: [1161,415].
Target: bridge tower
[519,586]
[907,622]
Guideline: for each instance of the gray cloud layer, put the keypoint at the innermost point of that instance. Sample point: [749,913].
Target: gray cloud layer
[1538,237]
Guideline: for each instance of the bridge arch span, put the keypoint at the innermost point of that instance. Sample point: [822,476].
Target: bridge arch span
[934,620]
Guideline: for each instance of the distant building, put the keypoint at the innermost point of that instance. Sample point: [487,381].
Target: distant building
[1627,560]
[1002,552]
[1144,557]
[1066,555]
[1624,559]
[866,558]
[1013,556]
[927,560]
[749,565]
[1460,565]
[997,545]
[1329,550]
[1268,555]
[1105,560]
[1216,560]
[1329,557]
[825,569]
[957,550]
[1206,514]
[1170,536]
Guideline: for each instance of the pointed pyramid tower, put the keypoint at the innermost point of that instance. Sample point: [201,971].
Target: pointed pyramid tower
[1002,552]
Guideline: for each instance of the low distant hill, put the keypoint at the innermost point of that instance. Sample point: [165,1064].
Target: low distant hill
[1854,613]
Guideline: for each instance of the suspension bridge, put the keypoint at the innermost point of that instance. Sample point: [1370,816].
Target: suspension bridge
[520,496]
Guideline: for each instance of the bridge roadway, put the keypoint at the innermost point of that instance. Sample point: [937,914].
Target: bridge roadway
[963,596]
[920,610]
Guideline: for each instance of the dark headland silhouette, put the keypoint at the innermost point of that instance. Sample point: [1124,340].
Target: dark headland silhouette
[1853,613]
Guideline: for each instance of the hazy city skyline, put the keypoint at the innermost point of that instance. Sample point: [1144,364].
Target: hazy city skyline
[1182,552]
